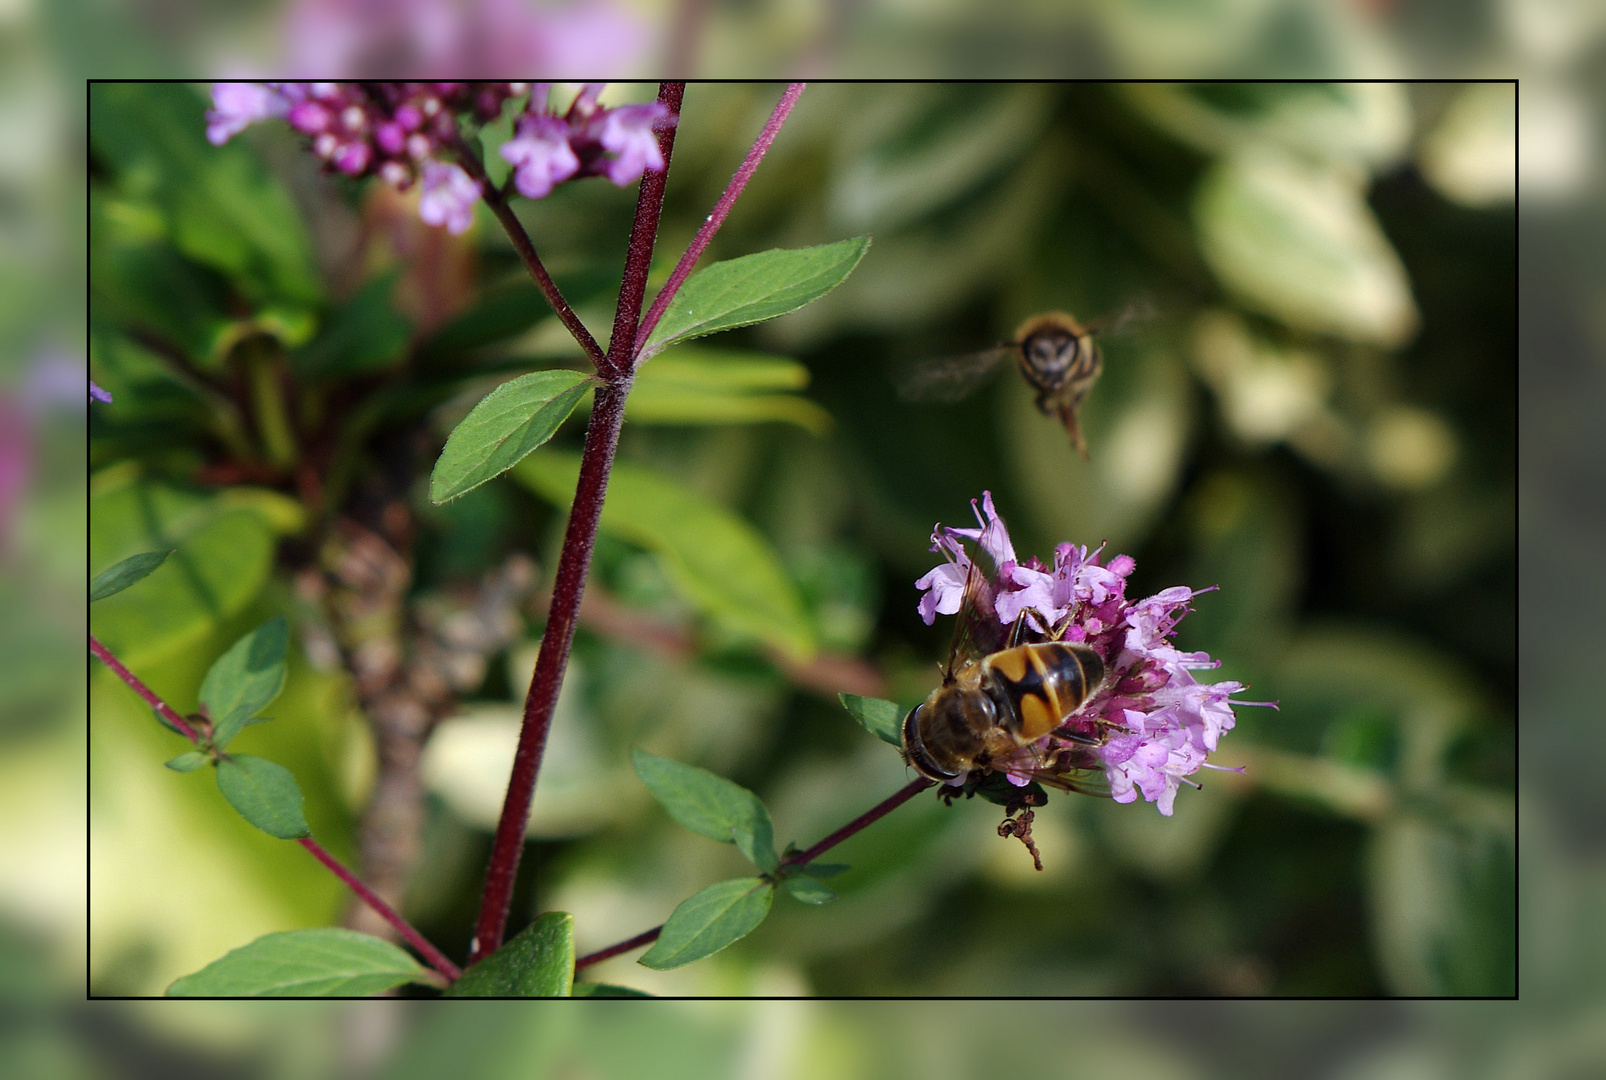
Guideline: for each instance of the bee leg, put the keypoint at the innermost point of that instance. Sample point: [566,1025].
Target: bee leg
[1067,414]
[1070,736]
[1014,631]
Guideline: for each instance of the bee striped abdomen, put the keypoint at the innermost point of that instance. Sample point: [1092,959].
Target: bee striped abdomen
[1045,683]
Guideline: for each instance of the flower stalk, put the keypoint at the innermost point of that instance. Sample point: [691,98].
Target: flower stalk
[602,439]
[798,858]
[433,956]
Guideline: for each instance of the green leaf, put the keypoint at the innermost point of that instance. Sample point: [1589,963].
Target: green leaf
[808,890]
[691,385]
[244,679]
[121,576]
[222,207]
[539,962]
[367,334]
[327,962]
[753,288]
[224,543]
[710,806]
[265,794]
[715,560]
[709,920]
[606,990]
[883,719]
[188,762]
[507,424]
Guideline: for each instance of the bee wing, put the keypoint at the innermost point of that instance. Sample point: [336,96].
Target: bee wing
[950,378]
[1082,781]
[976,629]
[1138,310]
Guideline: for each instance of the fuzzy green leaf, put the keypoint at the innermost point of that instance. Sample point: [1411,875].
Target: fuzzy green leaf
[808,890]
[539,962]
[243,680]
[692,385]
[710,806]
[507,424]
[709,920]
[188,762]
[119,577]
[720,563]
[327,962]
[264,793]
[883,719]
[753,288]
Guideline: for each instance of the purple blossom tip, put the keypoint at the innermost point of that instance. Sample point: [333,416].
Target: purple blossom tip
[448,197]
[97,394]
[630,133]
[541,155]
[236,106]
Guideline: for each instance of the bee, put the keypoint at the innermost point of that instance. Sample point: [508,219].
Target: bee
[995,700]
[1057,356]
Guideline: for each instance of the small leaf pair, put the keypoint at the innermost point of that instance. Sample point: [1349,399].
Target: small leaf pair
[237,687]
[726,911]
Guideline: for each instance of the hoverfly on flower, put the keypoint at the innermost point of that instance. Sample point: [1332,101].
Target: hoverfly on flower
[1054,676]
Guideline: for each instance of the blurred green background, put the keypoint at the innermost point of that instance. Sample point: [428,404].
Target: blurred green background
[1554,47]
[1318,419]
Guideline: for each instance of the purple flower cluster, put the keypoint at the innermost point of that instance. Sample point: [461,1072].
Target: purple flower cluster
[1158,723]
[407,132]
[586,140]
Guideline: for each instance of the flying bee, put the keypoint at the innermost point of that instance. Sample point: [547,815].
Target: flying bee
[1000,693]
[1057,356]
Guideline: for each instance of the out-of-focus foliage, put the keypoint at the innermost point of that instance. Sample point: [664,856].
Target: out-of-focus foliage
[1317,419]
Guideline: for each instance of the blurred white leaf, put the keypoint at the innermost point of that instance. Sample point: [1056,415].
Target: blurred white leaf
[1298,242]
[1410,448]
[1471,153]
[469,757]
[1266,393]
[1365,124]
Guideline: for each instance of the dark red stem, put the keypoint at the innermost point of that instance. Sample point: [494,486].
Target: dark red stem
[496,199]
[430,953]
[602,438]
[143,691]
[869,817]
[721,210]
[646,937]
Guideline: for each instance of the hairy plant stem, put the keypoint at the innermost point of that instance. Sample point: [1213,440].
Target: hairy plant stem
[602,438]
[722,209]
[869,817]
[430,953]
[162,708]
[496,199]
